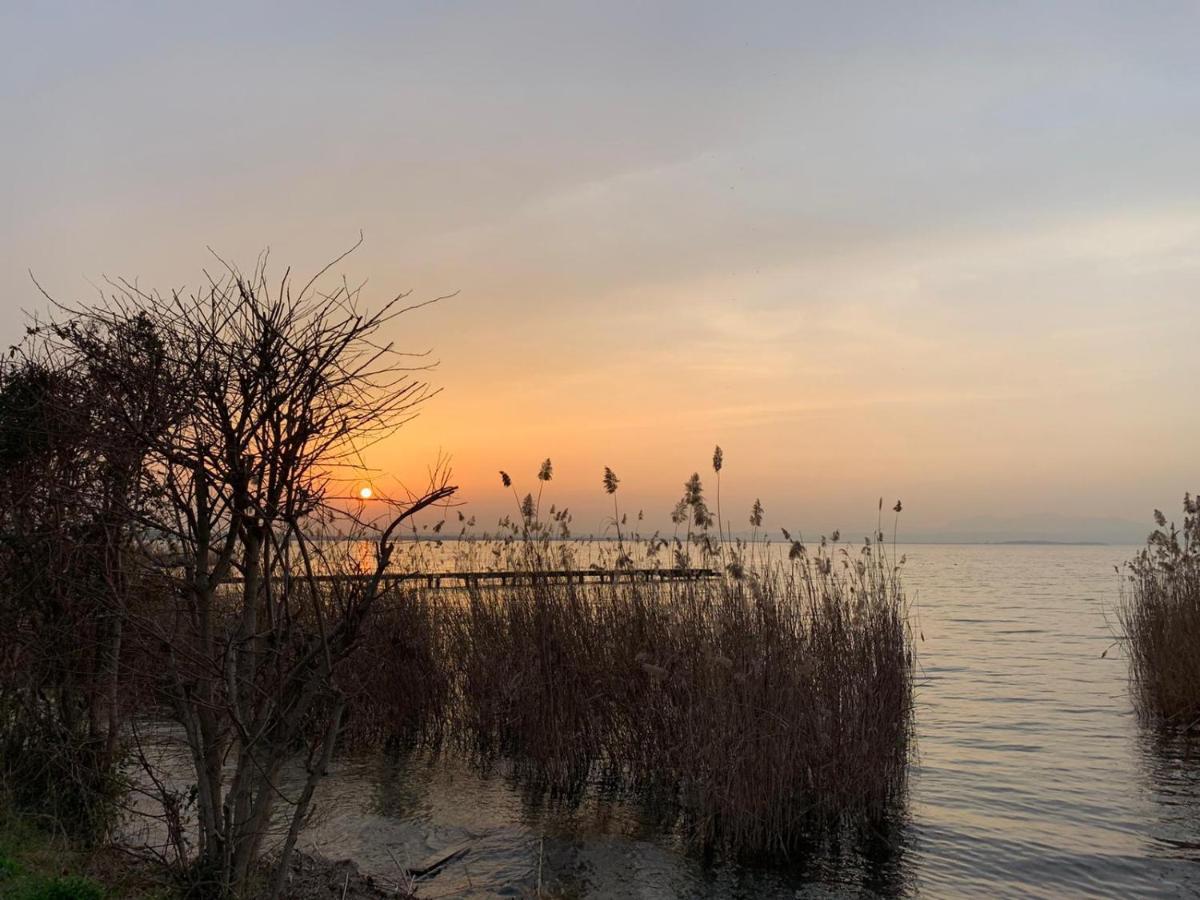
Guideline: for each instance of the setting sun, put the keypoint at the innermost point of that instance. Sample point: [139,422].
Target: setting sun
[365,493]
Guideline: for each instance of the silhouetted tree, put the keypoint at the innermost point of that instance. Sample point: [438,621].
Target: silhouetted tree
[68,482]
[249,402]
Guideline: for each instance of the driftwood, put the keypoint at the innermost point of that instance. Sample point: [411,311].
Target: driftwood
[435,864]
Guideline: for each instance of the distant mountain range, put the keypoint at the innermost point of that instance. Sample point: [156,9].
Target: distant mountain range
[1047,528]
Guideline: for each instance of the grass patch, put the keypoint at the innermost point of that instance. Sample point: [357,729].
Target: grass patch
[66,887]
[32,865]
[36,864]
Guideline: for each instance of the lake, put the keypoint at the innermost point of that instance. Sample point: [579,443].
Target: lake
[1032,775]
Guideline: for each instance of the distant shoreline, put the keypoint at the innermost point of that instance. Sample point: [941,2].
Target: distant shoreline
[1031,542]
[1053,543]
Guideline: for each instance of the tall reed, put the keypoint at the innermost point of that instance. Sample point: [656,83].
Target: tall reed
[758,708]
[1160,615]
[764,707]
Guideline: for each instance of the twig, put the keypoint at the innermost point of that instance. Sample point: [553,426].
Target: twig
[541,854]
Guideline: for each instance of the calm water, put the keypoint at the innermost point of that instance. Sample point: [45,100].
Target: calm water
[1033,777]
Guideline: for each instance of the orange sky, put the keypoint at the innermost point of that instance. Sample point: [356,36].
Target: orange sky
[944,254]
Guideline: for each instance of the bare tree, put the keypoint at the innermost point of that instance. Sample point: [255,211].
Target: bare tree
[263,397]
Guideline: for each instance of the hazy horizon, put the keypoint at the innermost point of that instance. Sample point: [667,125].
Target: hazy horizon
[939,253]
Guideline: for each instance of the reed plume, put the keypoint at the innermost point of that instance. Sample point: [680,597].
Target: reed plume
[756,710]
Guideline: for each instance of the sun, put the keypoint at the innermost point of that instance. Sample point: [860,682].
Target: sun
[365,492]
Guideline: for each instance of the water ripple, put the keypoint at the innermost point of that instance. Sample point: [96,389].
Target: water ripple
[1032,778]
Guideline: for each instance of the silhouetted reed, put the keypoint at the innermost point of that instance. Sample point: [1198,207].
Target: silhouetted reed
[759,707]
[1160,614]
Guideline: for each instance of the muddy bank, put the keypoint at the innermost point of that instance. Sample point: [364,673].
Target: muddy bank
[312,877]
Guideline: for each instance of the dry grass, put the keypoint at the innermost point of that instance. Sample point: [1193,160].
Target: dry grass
[1160,615]
[757,709]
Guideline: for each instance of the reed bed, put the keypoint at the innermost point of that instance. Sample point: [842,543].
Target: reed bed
[756,710]
[759,712]
[1160,616]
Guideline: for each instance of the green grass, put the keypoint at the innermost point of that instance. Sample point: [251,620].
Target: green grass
[28,861]
[38,865]
[65,887]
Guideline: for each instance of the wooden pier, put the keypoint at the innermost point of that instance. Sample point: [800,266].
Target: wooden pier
[460,580]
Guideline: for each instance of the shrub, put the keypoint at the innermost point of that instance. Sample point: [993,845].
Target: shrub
[68,887]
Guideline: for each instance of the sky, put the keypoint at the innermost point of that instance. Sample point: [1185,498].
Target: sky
[938,252]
